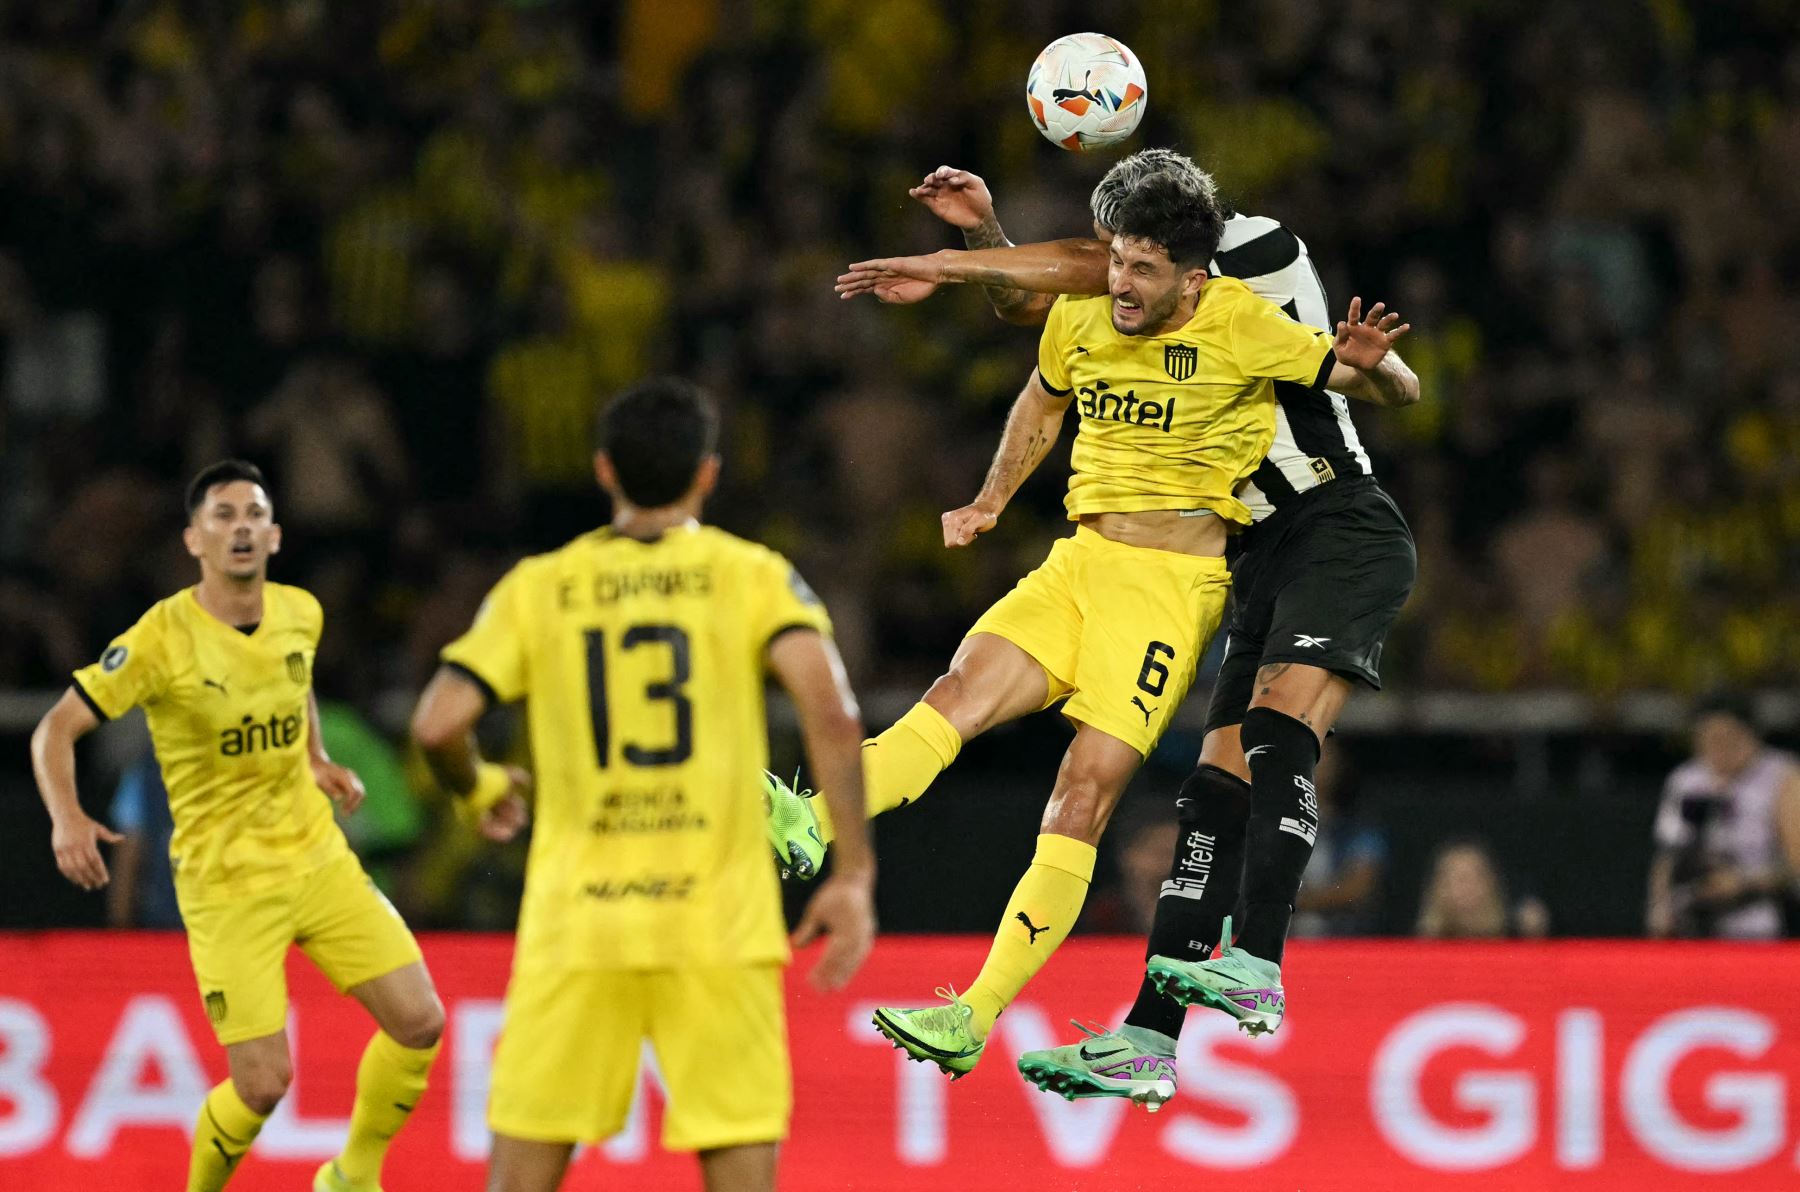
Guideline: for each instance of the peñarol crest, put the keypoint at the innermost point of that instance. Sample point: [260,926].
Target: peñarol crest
[296,664]
[1180,360]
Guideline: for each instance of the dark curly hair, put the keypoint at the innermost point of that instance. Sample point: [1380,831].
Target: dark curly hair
[1178,210]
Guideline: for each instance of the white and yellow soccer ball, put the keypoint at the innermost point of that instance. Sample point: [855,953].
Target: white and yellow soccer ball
[1086,90]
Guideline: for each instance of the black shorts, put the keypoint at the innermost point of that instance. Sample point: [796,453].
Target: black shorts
[1319,583]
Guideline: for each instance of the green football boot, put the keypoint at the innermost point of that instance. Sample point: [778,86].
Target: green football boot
[1107,1064]
[793,828]
[1244,986]
[939,1034]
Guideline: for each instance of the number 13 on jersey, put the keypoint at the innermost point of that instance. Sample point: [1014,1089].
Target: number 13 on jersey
[633,704]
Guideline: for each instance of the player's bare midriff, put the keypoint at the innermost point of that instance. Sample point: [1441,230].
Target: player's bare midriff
[1191,532]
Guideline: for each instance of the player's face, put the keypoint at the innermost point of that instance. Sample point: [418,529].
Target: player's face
[1724,743]
[1146,286]
[233,532]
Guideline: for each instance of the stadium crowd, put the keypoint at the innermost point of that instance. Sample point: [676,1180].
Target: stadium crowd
[399,253]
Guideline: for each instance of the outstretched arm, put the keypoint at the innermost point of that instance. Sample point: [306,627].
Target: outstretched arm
[1031,428]
[1047,269]
[1367,367]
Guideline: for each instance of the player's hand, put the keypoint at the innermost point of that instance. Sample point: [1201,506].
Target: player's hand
[1363,340]
[507,818]
[888,287]
[76,842]
[957,197]
[340,784]
[893,279]
[962,525]
[843,910]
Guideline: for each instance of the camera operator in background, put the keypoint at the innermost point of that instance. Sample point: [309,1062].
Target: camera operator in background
[1727,833]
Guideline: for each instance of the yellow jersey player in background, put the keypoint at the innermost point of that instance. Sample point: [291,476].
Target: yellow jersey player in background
[223,671]
[651,909]
[1171,373]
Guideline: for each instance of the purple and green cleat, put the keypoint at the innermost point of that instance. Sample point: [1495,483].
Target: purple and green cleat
[1244,986]
[1129,1063]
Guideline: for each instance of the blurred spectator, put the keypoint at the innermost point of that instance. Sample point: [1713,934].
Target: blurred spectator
[390,819]
[1341,890]
[1467,898]
[1142,846]
[142,890]
[1727,833]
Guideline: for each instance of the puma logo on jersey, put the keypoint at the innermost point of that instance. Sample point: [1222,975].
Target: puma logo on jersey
[1306,639]
[215,683]
[1035,931]
[1142,708]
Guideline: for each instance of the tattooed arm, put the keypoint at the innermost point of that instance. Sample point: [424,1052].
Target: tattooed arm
[1031,430]
[962,200]
[1019,307]
[1021,280]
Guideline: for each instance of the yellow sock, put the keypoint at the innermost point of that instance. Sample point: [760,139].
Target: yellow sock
[900,763]
[1044,906]
[225,1130]
[389,1082]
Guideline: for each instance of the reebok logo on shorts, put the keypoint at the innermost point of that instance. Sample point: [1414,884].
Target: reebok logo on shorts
[1306,639]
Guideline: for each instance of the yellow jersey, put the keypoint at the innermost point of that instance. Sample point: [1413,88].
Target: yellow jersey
[1175,421]
[228,716]
[643,666]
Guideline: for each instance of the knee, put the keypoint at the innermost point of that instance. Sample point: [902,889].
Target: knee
[1079,808]
[953,697]
[264,1085]
[421,1026]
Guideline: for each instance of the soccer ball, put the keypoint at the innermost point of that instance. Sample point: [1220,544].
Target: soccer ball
[1086,90]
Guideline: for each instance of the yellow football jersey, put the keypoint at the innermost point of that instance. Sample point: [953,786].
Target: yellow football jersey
[228,717]
[643,664]
[1175,421]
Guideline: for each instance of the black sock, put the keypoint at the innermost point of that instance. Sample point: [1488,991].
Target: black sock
[1284,820]
[1204,878]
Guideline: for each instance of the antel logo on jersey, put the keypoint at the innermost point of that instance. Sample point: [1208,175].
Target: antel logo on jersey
[253,736]
[1098,401]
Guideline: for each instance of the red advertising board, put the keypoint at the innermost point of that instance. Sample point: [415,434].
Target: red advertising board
[1401,1066]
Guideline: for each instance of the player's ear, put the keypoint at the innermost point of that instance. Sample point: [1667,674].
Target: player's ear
[190,538]
[605,475]
[275,539]
[1190,285]
[706,477]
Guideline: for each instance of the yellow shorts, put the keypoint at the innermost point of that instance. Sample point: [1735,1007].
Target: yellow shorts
[567,1061]
[1118,629]
[239,946]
